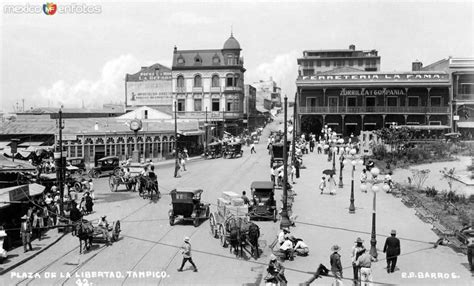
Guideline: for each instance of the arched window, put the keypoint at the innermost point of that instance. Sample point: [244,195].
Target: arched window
[229,80]
[237,79]
[180,81]
[215,81]
[197,81]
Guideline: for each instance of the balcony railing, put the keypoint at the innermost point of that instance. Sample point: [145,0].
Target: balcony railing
[180,89]
[215,89]
[233,88]
[373,109]
[211,115]
[198,89]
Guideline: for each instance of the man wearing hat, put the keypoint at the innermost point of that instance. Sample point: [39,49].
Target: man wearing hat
[336,267]
[186,251]
[104,226]
[281,236]
[357,250]
[365,263]
[287,248]
[275,268]
[392,249]
[25,232]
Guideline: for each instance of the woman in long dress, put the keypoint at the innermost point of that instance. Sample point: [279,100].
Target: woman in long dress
[332,185]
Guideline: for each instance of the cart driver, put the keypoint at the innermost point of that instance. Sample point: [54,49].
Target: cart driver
[126,174]
[275,268]
[104,227]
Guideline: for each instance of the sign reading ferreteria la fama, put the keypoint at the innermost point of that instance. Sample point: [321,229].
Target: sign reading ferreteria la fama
[380,77]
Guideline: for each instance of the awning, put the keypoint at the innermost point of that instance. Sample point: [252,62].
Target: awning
[192,133]
[466,124]
[4,144]
[262,109]
[425,127]
[17,193]
[31,143]
[36,148]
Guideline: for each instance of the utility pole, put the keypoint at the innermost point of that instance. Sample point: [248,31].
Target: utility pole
[285,220]
[60,160]
[205,125]
[176,163]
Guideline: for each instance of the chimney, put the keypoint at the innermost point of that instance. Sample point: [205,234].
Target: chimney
[352,47]
[416,66]
[175,49]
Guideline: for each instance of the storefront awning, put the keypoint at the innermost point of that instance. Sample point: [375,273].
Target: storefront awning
[19,193]
[466,124]
[262,109]
[192,133]
[32,143]
[425,127]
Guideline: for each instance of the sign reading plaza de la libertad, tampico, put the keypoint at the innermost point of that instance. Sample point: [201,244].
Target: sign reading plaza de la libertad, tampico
[380,77]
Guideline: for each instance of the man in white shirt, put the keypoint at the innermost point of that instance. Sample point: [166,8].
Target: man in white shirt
[287,248]
[301,248]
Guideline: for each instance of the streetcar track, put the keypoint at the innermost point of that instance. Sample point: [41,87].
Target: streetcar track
[44,268]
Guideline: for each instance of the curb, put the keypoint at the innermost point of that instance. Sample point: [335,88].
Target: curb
[32,256]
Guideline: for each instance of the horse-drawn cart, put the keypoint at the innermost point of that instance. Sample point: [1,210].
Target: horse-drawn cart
[90,232]
[230,224]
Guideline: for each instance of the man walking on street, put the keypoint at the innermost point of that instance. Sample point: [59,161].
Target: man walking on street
[25,231]
[252,148]
[357,250]
[365,263]
[392,249]
[186,250]
[336,267]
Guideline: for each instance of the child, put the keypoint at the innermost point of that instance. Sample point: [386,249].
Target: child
[322,185]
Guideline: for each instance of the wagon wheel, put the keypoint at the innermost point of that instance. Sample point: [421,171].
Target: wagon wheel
[212,223]
[275,215]
[222,235]
[112,185]
[116,231]
[78,187]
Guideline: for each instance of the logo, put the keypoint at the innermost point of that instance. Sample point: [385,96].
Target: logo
[50,8]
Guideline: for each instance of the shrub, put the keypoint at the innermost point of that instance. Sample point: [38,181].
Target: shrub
[431,192]
[419,177]
[379,151]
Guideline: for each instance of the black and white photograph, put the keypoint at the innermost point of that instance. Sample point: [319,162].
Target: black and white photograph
[246,143]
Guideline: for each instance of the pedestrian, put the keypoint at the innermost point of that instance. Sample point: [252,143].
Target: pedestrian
[277,270]
[322,185]
[183,161]
[364,262]
[336,267]
[25,232]
[292,173]
[272,174]
[245,198]
[186,251]
[252,148]
[320,148]
[88,202]
[287,248]
[281,236]
[311,145]
[38,223]
[91,189]
[392,250]
[356,252]
[363,179]
[332,184]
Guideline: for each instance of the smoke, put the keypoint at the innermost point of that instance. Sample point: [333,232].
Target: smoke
[93,93]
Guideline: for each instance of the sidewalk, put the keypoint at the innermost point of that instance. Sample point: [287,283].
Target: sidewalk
[17,256]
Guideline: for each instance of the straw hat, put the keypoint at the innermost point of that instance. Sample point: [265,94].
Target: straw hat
[186,239]
[273,257]
[394,232]
[335,248]
[359,240]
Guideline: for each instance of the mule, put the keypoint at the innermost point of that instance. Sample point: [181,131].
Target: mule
[84,231]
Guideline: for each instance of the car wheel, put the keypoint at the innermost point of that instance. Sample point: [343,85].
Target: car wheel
[171,220]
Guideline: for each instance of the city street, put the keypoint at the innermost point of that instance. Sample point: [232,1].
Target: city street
[149,244]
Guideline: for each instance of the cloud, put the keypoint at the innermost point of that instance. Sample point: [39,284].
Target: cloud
[188,18]
[283,69]
[108,88]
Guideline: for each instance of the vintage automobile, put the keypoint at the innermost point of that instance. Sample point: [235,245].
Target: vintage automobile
[232,150]
[106,166]
[277,153]
[76,165]
[214,150]
[186,204]
[263,204]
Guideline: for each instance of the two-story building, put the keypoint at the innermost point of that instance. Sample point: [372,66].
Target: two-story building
[208,85]
[350,101]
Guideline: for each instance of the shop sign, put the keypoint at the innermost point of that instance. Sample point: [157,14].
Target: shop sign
[380,77]
[381,91]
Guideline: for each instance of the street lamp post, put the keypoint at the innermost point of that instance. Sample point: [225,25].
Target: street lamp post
[285,220]
[352,159]
[60,164]
[205,127]
[341,163]
[374,181]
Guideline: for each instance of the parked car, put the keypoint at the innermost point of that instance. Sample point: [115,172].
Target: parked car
[106,166]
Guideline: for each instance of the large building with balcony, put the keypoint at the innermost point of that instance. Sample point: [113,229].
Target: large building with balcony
[351,101]
[318,61]
[209,85]
[461,71]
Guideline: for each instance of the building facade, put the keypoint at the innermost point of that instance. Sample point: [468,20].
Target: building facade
[351,102]
[209,85]
[461,71]
[318,61]
[151,86]
[267,90]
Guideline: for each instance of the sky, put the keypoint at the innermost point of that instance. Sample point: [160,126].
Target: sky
[81,59]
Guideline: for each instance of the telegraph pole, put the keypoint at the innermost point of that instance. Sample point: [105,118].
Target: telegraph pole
[176,162]
[285,220]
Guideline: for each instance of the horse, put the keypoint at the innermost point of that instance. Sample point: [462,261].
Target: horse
[253,235]
[148,185]
[233,228]
[84,231]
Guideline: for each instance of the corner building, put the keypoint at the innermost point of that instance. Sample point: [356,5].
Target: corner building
[351,101]
[209,84]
